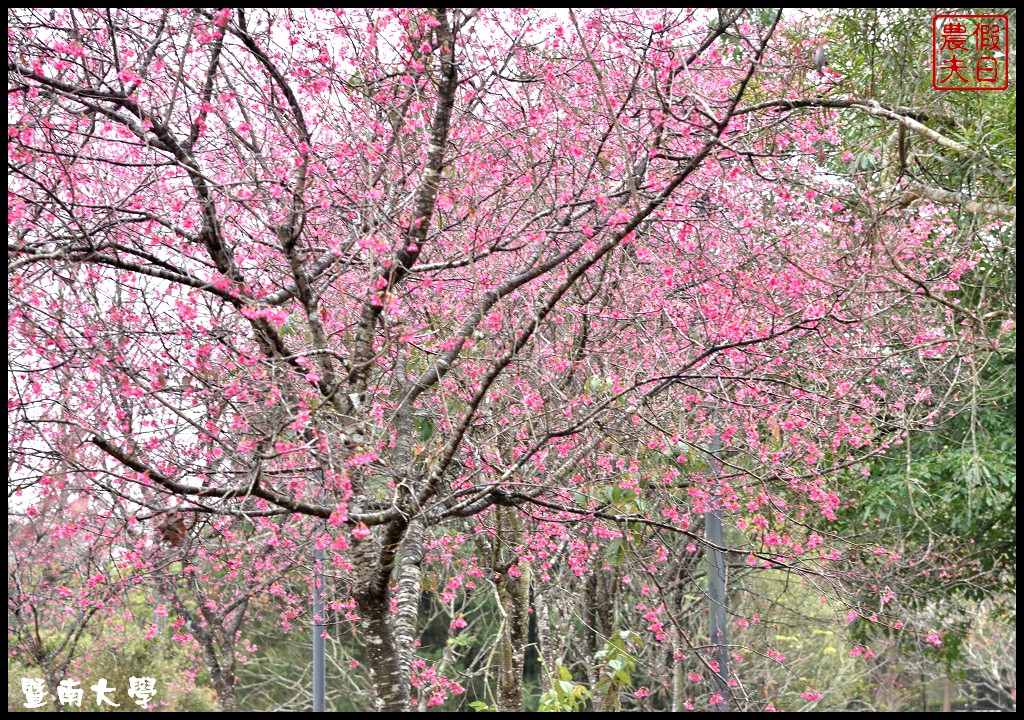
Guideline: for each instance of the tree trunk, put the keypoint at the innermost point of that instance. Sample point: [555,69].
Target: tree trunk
[678,674]
[545,648]
[52,681]
[375,559]
[222,669]
[591,634]
[217,645]
[408,605]
[599,618]
[225,689]
[514,597]
[390,684]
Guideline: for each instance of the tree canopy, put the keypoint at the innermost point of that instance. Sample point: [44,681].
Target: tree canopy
[494,307]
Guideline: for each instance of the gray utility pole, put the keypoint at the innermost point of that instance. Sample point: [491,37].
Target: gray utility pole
[716,582]
[318,631]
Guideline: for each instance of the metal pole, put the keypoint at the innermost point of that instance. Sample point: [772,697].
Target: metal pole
[716,584]
[318,631]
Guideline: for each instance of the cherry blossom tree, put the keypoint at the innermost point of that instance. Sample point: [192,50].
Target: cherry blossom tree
[215,579]
[57,586]
[468,293]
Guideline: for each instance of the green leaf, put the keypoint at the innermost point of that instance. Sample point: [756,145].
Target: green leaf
[424,428]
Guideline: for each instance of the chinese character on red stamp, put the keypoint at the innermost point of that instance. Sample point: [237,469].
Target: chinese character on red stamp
[969,52]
